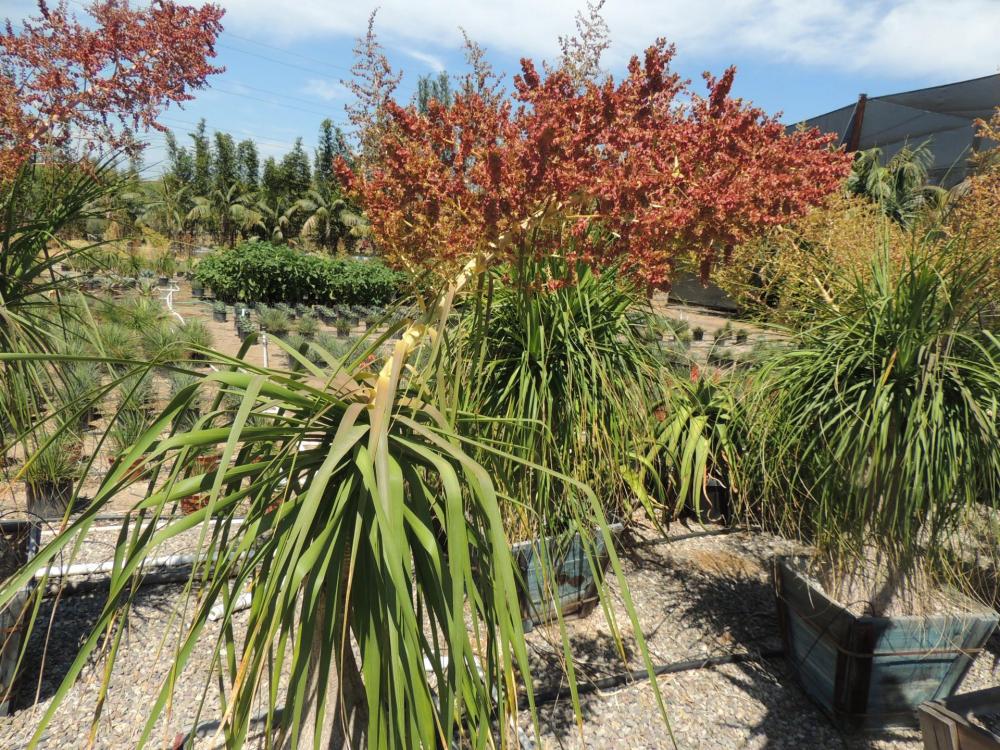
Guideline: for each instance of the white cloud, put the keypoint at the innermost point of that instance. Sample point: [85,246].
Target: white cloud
[892,37]
[431,61]
[325,89]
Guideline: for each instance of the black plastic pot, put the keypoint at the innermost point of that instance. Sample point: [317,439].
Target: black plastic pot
[715,505]
[219,316]
[19,541]
[49,498]
[197,290]
[869,673]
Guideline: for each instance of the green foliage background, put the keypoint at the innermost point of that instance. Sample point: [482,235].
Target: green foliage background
[262,272]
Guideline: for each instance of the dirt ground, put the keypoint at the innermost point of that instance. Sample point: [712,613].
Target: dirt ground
[226,341]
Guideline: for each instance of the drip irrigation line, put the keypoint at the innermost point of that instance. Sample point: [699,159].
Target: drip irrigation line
[554,694]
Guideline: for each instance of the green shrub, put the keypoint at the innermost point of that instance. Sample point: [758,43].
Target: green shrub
[273,274]
[307,326]
[273,320]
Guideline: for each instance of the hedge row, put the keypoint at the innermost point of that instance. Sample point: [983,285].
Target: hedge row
[261,272]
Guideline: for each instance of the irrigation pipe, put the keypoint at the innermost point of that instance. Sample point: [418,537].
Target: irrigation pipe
[554,694]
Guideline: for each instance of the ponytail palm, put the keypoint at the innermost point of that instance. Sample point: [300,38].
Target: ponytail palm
[366,527]
[878,430]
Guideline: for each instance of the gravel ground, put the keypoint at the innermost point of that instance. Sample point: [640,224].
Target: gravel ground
[704,592]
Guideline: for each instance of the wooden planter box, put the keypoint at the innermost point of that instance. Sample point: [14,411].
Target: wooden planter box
[560,582]
[951,724]
[19,542]
[872,672]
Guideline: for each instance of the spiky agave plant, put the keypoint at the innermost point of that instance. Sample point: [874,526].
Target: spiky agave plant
[878,429]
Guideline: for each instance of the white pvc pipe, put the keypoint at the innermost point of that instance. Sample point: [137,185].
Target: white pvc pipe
[169,299]
[87,569]
[242,602]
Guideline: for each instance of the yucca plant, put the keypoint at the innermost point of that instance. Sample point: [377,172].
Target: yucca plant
[129,426]
[52,466]
[339,485]
[135,392]
[116,341]
[195,337]
[877,430]
[162,343]
[138,313]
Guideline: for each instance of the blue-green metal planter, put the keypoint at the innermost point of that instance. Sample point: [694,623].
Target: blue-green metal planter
[559,578]
[869,673]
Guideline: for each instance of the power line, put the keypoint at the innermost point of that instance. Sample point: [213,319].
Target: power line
[265,140]
[268,101]
[273,59]
[288,52]
[275,93]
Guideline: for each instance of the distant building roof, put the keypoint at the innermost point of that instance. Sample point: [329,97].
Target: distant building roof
[941,115]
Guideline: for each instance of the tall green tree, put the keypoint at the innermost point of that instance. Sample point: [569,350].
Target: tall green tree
[202,161]
[271,182]
[180,165]
[224,165]
[248,164]
[296,174]
[296,180]
[432,88]
[332,144]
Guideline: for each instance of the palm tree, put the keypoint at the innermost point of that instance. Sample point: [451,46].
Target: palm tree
[229,211]
[275,218]
[900,185]
[331,220]
[169,209]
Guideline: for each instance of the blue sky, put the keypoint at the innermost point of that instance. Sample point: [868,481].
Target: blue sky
[285,59]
